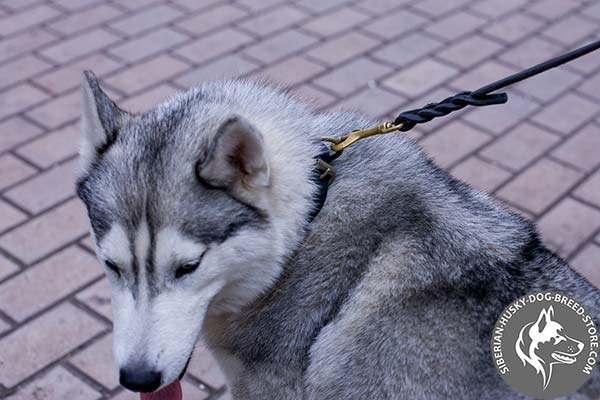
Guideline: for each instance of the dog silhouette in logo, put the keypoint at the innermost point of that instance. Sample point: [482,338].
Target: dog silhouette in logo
[543,343]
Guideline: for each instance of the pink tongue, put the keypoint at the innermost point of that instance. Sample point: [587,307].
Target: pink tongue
[169,392]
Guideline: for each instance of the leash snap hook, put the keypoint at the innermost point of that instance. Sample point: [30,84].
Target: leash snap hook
[342,142]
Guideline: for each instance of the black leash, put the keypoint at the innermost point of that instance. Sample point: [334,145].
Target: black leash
[482,96]
[325,172]
[478,98]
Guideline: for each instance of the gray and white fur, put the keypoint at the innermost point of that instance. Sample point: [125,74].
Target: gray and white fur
[201,205]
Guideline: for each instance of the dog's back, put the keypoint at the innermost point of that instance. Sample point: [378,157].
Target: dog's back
[396,287]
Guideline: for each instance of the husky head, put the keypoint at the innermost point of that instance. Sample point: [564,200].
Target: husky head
[187,217]
[543,343]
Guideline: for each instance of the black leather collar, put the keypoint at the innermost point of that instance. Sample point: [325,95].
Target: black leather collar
[322,175]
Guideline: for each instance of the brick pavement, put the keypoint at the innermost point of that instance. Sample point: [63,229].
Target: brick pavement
[539,153]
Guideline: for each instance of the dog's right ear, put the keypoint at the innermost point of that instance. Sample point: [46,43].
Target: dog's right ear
[101,120]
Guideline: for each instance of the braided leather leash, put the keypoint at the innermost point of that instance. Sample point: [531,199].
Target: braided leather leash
[478,98]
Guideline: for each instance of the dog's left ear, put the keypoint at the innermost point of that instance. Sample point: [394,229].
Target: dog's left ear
[101,120]
[544,318]
[236,156]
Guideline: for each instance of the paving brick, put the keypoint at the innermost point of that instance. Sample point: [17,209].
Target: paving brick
[26,19]
[408,49]
[420,78]
[52,148]
[581,149]
[513,28]
[520,146]
[352,76]
[590,86]
[273,20]
[213,45]
[495,8]
[10,216]
[540,185]
[499,118]
[97,297]
[56,184]
[47,282]
[4,326]
[480,174]
[47,232]
[68,76]
[453,142]
[16,130]
[148,44]
[80,45]
[13,170]
[258,5]
[574,112]
[343,48]
[566,226]
[229,66]
[375,101]
[335,22]
[313,96]
[589,190]
[320,6]
[381,7]
[88,243]
[98,363]
[212,19]
[24,43]
[203,366]
[194,5]
[18,4]
[470,50]
[86,19]
[44,340]
[395,24]
[292,71]
[58,383]
[57,111]
[20,98]
[74,5]
[551,9]
[439,7]
[135,5]
[21,69]
[7,267]
[592,11]
[279,46]
[481,75]
[586,263]
[147,19]
[148,100]
[546,86]
[145,74]
[570,30]
[530,52]
[455,25]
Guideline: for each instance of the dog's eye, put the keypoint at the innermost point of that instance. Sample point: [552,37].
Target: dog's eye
[188,267]
[113,267]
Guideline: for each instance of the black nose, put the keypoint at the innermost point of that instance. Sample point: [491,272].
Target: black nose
[139,379]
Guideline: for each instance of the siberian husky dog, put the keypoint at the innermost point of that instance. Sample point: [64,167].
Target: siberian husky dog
[201,213]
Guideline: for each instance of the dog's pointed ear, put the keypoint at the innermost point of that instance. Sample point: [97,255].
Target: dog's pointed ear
[236,156]
[544,318]
[101,120]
